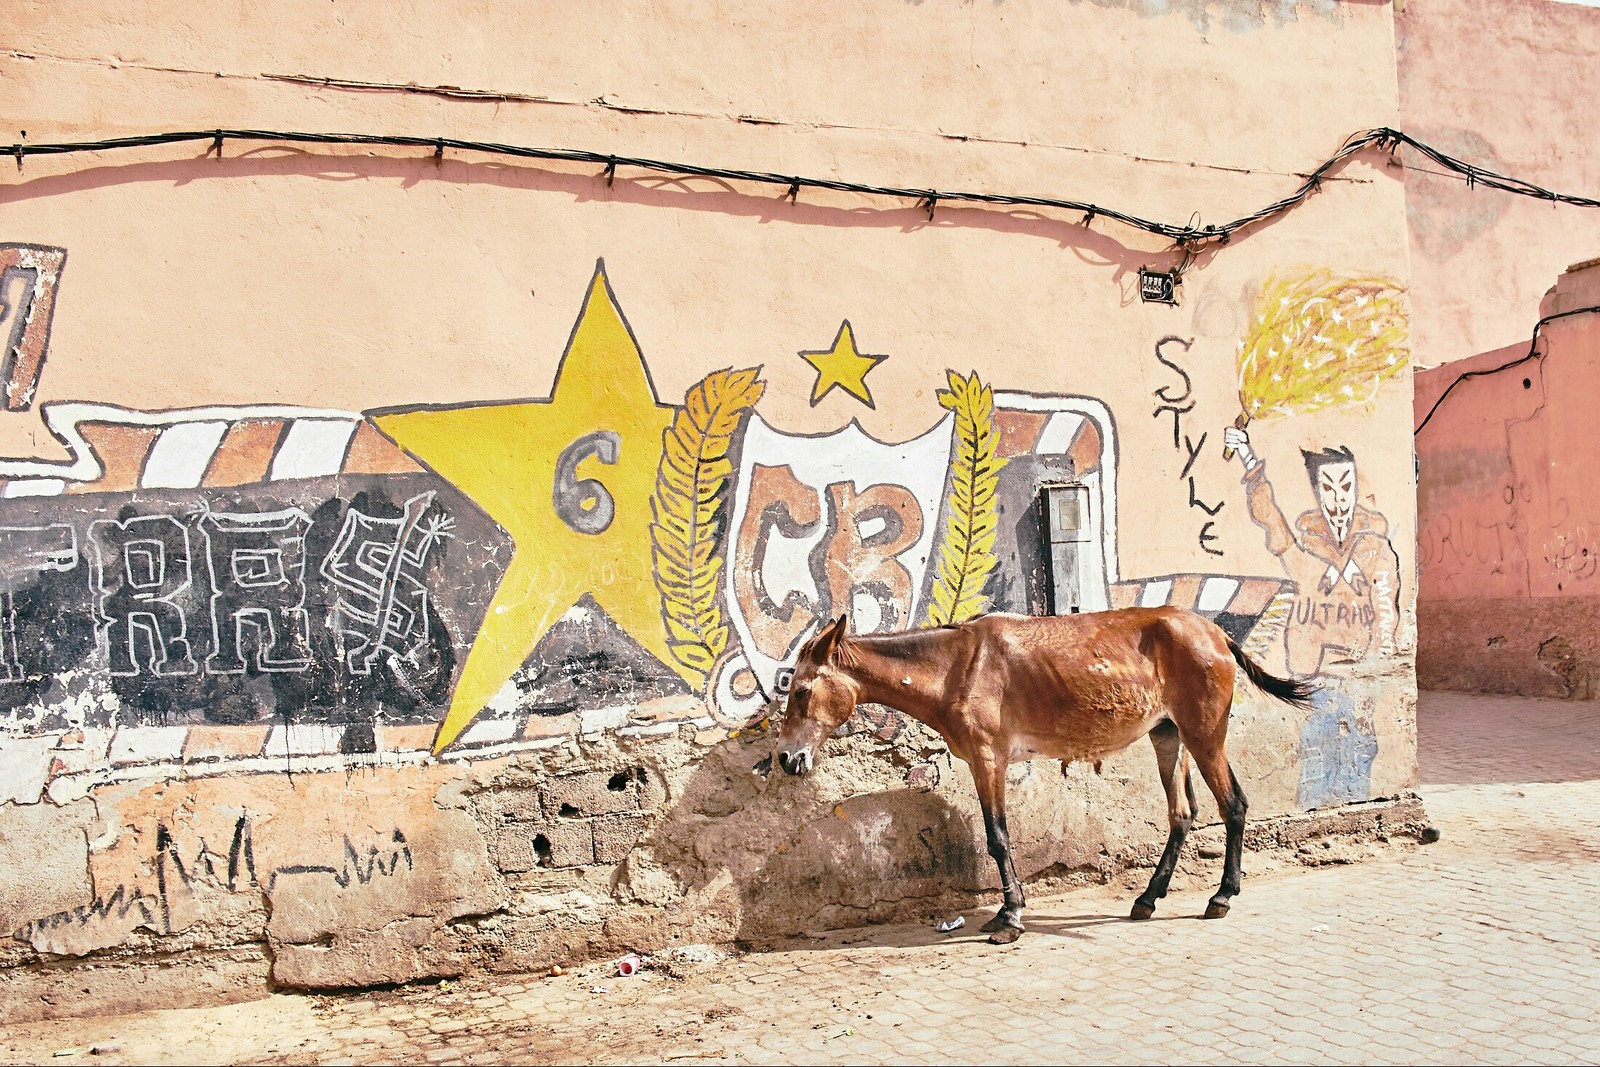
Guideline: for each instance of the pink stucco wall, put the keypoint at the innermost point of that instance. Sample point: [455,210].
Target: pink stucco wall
[1505,503]
[1509,527]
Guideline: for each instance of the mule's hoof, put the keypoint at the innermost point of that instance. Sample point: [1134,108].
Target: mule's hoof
[1216,909]
[1005,935]
[1141,911]
[994,924]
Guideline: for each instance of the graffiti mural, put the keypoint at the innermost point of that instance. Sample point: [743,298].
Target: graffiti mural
[303,602]
[244,587]
[1346,602]
[1319,341]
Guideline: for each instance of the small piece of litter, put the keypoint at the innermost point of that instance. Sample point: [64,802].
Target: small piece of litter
[629,965]
[66,1052]
[105,1050]
[950,925]
[598,989]
[1320,928]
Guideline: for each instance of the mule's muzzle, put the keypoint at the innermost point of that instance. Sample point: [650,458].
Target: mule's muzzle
[796,762]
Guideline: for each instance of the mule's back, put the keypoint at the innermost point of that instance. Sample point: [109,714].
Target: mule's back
[1083,686]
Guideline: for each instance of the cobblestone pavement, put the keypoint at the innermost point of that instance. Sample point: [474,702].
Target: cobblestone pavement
[1478,948]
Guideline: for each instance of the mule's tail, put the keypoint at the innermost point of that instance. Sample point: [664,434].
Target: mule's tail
[1285,689]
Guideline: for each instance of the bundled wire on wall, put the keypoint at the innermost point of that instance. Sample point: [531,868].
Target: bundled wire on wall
[1532,353]
[1190,236]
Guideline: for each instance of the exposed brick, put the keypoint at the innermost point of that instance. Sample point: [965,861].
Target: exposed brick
[652,789]
[615,836]
[524,846]
[516,805]
[603,792]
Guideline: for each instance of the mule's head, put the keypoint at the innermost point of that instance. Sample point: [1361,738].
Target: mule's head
[821,698]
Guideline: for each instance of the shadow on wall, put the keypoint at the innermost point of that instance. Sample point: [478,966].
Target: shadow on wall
[763,203]
[754,861]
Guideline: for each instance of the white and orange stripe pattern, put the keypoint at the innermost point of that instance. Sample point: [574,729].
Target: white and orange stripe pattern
[119,450]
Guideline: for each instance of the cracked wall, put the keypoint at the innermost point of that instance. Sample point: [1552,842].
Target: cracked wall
[1509,513]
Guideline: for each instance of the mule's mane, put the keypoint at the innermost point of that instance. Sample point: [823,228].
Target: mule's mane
[904,645]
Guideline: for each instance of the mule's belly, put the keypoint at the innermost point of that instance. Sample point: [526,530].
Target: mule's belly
[1024,749]
[1088,743]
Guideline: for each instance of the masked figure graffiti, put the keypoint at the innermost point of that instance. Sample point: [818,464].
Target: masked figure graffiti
[1347,593]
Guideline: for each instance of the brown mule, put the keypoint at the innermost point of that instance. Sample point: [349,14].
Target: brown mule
[1004,688]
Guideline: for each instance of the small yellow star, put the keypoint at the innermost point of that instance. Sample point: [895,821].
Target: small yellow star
[843,366]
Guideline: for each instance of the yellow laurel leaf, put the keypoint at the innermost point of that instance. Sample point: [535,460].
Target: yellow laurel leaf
[688,505]
[966,553]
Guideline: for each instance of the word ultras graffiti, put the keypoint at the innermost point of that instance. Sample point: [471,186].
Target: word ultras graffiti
[480,568]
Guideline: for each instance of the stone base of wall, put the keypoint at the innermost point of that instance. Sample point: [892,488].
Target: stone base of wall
[1527,646]
[523,937]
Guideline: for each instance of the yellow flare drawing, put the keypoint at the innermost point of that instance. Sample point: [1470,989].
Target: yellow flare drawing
[1319,340]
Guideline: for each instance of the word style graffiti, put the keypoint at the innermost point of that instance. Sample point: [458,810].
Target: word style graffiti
[1178,406]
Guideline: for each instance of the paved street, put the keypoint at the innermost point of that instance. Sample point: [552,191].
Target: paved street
[1481,947]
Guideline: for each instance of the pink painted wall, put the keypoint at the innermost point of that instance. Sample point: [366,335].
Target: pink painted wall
[1509,527]
[1506,507]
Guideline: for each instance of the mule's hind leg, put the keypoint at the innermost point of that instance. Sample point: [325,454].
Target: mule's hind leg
[1174,764]
[1006,926]
[1232,805]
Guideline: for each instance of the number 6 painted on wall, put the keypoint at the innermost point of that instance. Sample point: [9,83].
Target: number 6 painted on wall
[584,504]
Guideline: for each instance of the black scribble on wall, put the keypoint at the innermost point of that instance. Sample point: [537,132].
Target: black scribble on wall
[1176,404]
[356,868]
[155,912]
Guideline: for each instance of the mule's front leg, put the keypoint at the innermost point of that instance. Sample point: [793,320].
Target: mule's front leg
[1006,926]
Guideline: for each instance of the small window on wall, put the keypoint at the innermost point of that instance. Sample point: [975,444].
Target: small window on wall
[1068,532]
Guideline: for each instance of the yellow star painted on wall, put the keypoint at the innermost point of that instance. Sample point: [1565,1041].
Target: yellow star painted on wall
[569,478]
[844,367]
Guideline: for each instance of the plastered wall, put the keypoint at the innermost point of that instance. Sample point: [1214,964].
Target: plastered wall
[402,553]
[1504,525]
[1510,89]
[1507,550]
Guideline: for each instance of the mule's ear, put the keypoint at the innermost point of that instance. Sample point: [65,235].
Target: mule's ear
[828,639]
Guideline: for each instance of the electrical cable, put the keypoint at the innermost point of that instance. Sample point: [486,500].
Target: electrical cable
[1190,236]
[1533,351]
